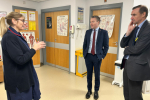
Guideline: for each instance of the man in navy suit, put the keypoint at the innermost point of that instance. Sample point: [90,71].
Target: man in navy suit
[95,47]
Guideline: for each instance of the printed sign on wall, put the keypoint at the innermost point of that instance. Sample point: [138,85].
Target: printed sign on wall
[29,37]
[49,22]
[62,25]
[80,15]
[26,25]
[31,16]
[107,23]
[3,14]
[24,13]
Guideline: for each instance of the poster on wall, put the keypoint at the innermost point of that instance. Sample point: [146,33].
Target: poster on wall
[31,16]
[32,25]
[62,25]
[24,13]
[26,25]
[49,22]
[29,37]
[107,23]
[3,14]
[80,14]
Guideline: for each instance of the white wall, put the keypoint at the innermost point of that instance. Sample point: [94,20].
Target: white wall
[143,2]
[79,33]
[126,14]
[6,5]
[60,3]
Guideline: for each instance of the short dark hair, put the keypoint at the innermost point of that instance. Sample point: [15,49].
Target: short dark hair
[97,18]
[142,9]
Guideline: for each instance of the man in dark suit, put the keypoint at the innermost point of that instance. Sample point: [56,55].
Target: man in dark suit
[136,61]
[95,47]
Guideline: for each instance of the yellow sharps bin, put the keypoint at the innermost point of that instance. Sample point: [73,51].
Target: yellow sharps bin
[80,63]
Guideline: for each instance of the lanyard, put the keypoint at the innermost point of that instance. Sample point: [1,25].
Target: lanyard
[14,32]
[19,38]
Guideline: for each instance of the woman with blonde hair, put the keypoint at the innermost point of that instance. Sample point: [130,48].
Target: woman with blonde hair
[20,78]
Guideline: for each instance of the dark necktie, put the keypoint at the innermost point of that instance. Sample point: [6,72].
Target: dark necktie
[93,44]
[135,32]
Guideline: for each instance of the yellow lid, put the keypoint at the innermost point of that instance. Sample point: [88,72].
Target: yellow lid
[79,51]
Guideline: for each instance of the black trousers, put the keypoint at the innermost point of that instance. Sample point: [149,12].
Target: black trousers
[132,89]
[92,60]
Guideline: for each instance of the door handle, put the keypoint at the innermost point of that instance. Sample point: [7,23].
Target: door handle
[55,40]
[116,43]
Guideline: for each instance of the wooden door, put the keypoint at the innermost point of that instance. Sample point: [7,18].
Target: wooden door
[57,50]
[50,39]
[1,72]
[61,54]
[36,57]
[107,65]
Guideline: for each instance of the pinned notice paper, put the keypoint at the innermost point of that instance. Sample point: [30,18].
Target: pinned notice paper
[31,16]
[32,25]
[24,13]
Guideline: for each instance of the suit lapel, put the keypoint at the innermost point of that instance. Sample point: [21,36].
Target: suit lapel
[142,28]
[98,35]
[89,36]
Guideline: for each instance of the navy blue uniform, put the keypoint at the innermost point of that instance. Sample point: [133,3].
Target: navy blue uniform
[20,78]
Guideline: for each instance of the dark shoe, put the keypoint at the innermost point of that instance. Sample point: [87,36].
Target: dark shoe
[88,94]
[96,95]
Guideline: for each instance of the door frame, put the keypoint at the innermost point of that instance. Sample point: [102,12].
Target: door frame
[43,11]
[109,6]
[104,7]
[22,8]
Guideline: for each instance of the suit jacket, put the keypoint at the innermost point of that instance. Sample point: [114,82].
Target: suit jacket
[138,64]
[102,43]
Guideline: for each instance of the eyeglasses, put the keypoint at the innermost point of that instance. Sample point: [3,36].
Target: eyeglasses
[21,20]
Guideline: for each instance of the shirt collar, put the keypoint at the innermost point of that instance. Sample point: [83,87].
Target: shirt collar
[141,24]
[96,29]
